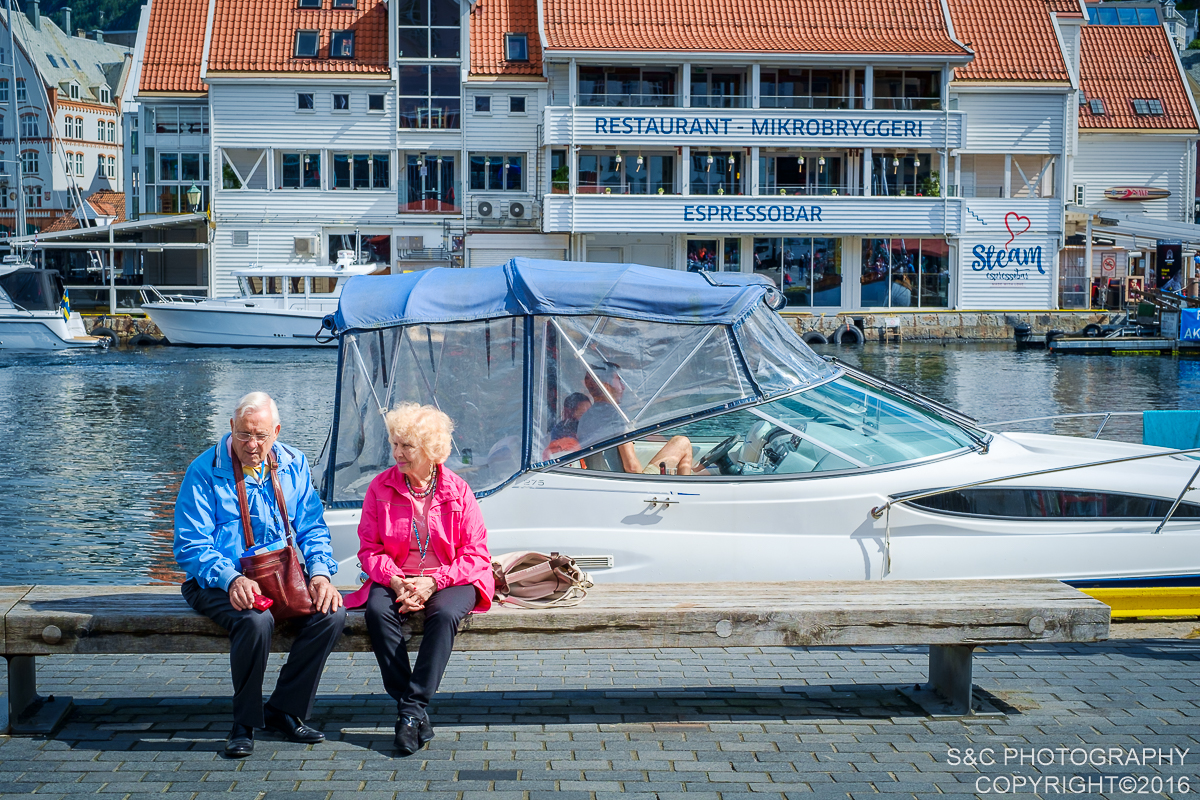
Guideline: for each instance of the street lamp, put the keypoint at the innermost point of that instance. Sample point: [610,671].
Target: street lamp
[193,197]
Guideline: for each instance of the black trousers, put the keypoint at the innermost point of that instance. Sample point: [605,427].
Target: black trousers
[250,645]
[412,687]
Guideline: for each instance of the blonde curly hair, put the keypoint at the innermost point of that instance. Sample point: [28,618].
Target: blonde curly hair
[425,425]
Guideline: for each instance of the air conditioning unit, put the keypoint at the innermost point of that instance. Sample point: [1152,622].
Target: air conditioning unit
[307,245]
[485,209]
[516,210]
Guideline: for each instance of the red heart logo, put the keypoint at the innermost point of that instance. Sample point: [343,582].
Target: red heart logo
[1008,224]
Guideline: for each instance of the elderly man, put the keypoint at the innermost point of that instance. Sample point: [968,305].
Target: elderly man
[208,545]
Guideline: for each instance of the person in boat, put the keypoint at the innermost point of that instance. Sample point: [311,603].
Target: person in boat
[423,546]
[209,542]
[564,434]
[604,421]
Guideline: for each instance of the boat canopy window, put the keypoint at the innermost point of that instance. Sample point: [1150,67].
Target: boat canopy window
[33,289]
[836,426]
[1049,504]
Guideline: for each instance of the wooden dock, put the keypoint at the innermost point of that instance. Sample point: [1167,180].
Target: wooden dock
[1123,345]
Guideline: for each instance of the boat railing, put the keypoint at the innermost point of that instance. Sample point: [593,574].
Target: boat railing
[1104,415]
[153,295]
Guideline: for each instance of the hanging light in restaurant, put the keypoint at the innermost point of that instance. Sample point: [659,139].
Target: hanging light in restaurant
[821,163]
[639,163]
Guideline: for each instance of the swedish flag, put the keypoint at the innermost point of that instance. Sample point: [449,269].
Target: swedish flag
[65,305]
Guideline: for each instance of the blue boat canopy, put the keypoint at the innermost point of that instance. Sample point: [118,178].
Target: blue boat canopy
[526,286]
[509,351]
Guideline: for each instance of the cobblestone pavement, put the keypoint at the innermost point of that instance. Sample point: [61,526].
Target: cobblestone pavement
[714,724]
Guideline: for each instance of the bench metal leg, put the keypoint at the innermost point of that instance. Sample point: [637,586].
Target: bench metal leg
[28,712]
[949,691]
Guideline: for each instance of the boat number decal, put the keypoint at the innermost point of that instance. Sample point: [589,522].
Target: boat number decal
[529,483]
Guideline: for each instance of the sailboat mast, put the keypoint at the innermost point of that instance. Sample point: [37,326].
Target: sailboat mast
[16,122]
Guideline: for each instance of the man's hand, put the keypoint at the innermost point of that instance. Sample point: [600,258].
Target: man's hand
[326,598]
[417,592]
[242,593]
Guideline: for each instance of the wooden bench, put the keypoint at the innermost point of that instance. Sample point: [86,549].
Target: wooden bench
[951,617]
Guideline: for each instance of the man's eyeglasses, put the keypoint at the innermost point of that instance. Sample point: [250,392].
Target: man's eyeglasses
[246,438]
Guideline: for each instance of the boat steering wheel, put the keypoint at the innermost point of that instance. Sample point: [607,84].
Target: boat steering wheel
[717,453]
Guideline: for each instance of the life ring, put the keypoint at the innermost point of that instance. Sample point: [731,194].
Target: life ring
[814,337]
[143,340]
[106,333]
[848,334]
[1092,330]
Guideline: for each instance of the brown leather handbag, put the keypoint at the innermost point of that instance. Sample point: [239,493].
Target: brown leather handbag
[279,573]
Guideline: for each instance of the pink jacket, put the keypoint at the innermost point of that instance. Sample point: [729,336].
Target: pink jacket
[456,531]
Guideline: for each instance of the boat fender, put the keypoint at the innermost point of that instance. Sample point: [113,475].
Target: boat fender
[814,337]
[107,333]
[1092,330]
[848,334]
[143,340]
[1052,335]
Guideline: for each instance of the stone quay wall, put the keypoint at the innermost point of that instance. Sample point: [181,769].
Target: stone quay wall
[945,325]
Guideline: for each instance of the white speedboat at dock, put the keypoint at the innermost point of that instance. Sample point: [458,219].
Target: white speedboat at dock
[35,313]
[277,307]
[812,470]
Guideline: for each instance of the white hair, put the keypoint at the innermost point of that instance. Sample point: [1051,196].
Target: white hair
[256,401]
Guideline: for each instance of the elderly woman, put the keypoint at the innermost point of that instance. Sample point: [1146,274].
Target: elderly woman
[424,548]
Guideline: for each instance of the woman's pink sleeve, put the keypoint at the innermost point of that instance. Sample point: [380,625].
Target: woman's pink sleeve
[472,562]
[379,566]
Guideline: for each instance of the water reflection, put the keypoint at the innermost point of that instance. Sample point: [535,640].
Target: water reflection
[94,446]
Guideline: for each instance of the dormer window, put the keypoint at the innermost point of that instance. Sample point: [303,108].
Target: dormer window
[341,44]
[1148,108]
[1097,106]
[308,3]
[73,91]
[307,43]
[516,46]
[105,95]
[345,3]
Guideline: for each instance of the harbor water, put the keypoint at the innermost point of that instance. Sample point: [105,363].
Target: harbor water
[93,445]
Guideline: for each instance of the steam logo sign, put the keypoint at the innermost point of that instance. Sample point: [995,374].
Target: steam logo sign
[1011,263]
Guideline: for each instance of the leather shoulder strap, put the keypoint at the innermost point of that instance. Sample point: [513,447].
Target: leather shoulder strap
[278,489]
[239,478]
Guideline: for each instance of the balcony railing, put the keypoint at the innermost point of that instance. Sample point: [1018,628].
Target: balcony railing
[809,102]
[629,100]
[908,103]
[720,101]
[804,190]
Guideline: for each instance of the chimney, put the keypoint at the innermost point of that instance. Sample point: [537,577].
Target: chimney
[99,34]
[66,26]
[81,33]
[35,14]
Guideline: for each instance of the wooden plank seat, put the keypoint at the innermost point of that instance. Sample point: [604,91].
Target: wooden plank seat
[951,617]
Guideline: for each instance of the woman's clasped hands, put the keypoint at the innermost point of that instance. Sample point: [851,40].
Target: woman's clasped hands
[412,593]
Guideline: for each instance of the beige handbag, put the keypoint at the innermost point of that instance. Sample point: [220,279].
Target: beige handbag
[536,580]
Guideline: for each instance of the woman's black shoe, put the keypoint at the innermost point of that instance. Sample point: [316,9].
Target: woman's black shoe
[240,742]
[408,738]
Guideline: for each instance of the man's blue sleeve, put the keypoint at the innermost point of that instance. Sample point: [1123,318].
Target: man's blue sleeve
[195,528]
[312,535]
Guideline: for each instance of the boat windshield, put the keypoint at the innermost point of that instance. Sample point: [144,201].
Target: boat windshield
[836,426]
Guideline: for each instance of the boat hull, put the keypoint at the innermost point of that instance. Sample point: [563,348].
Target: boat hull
[45,331]
[223,324]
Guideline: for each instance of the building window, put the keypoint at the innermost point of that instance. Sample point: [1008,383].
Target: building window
[176,172]
[74,91]
[606,172]
[30,127]
[626,86]
[907,90]
[1097,106]
[242,168]
[112,132]
[79,164]
[299,170]
[429,97]
[341,44]
[516,47]
[429,184]
[307,43]
[22,95]
[361,171]
[723,88]
[483,104]
[112,167]
[304,101]
[809,271]
[29,162]
[516,105]
[823,88]
[904,175]
[101,130]
[79,127]
[560,172]
[105,94]
[812,173]
[308,3]
[716,172]
[497,173]
[345,4]
[4,91]
[341,102]
[375,102]
[905,273]
[1148,108]
[373,248]
[33,197]
[428,29]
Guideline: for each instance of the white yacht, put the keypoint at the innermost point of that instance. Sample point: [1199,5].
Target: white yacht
[277,307]
[35,313]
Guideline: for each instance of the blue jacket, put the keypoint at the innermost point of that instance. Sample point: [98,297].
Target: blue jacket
[208,522]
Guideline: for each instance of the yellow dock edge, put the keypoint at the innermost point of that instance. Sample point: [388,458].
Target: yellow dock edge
[1149,601]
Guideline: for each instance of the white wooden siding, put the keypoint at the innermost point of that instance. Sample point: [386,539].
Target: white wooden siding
[253,115]
[1017,282]
[1012,123]
[996,216]
[501,131]
[1108,160]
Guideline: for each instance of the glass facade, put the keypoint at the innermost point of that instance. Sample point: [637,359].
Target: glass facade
[905,273]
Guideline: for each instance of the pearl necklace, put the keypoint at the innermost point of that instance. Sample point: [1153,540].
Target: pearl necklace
[428,490]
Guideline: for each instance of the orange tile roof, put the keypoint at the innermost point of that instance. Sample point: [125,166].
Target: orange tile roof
[1013,40]
[1121,63]
[811,26]
[1067,8]
[174,45]
[260,36]
[490,20]
[106,203]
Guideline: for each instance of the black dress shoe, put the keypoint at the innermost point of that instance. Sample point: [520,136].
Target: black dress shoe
[240,742]
[408,737]
[292,727]
[424,732]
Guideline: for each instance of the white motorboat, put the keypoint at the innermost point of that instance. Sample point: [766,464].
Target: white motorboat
[813,470]
[35,311]
[277,307]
